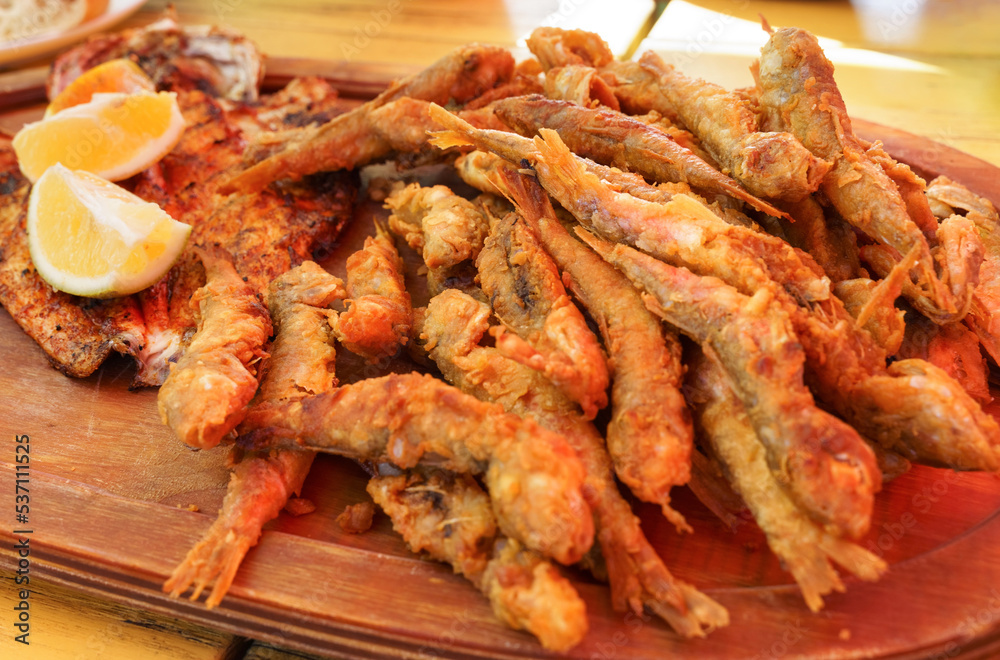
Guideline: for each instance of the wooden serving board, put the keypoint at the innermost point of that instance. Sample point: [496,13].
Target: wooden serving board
[111,491]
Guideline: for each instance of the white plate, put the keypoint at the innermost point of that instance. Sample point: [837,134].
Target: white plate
[44,44]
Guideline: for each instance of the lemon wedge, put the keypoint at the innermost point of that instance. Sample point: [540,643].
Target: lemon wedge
[90,237]
[121,75]
[113,135]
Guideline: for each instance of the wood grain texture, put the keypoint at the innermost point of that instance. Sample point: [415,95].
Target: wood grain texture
[930,158]
[111,492]
[382,30]
[67,624]
[260,651]
[930,27]
[930,76]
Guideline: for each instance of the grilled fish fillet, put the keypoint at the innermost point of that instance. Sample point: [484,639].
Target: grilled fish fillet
[206,57]
[77,334]
[267,234]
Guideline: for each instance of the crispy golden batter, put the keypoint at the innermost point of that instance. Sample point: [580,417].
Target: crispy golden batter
[949,198]
[528,592]
[446,515]
[953,348]
[523,82]
[911,188]
[844,365]
[804,548]
[798,94]
[356,518]
[769,164]
[581,85]
[402,126]
[547,332]
[959,250]
[453,327]
[649,436]
[206,393]
[615,139]
[444,228]
[681,136]
[637,90]
[302,354]
[301,363]
[945,196]
[346,141]
[555,47]
[694,235]
[954,430]
[871,303]
[449,517]
[533,476]
[822,462]
[378,317]
[259,487]
[475,167]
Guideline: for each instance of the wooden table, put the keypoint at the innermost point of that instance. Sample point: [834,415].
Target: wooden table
[381,31]
[929,67]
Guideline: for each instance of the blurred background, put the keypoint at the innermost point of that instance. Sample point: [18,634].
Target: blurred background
[930,67]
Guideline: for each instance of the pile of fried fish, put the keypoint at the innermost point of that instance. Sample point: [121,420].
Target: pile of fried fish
[749,289]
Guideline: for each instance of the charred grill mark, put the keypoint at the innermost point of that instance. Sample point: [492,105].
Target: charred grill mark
[204,86]
[9,183]
[306,117]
